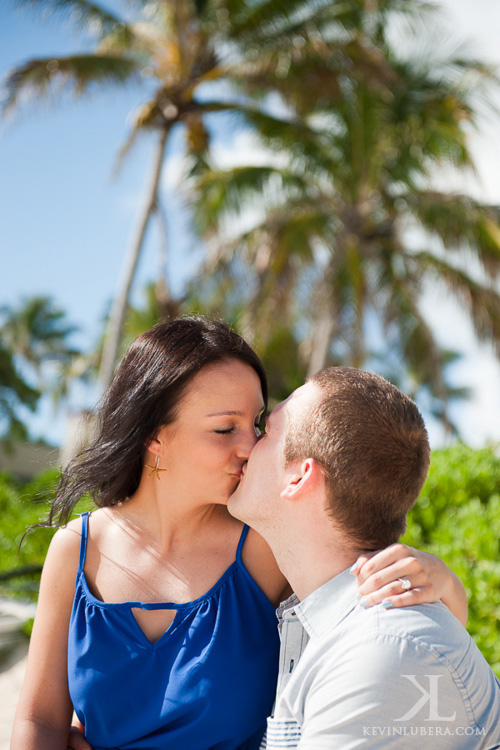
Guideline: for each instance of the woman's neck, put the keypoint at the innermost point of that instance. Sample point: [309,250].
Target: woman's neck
[163,518]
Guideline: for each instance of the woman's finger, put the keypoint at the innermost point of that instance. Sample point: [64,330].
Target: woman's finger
[409,568]
[406,599]
[397,587]
[373,563]
[394,590]
[418,595]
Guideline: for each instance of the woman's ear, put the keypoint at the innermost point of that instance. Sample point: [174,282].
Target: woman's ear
[153,445]
[302,480]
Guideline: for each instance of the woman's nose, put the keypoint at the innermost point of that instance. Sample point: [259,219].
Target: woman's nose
[246,445]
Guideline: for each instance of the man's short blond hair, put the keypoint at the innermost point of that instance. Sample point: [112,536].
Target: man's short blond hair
[371,442]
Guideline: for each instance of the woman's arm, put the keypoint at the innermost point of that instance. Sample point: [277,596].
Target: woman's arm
[429,576]
[377,574]
[44,711]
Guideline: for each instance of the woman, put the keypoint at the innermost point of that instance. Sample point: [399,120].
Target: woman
[168,638]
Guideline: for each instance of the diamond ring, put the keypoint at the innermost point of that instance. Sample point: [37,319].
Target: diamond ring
[405,583]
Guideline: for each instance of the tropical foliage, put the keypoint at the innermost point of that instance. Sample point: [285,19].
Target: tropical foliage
[354,108]
[15,393]
[344,227]
[23,505]
[35,356]
[38,334]
[184,54]
[458,518]
[321,250]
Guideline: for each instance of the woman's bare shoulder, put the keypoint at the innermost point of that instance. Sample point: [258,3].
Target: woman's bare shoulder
[64,549]
[67,537]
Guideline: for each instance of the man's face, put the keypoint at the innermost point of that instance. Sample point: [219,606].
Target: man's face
[257,497]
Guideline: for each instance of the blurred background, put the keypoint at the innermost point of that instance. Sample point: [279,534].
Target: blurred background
[324,176]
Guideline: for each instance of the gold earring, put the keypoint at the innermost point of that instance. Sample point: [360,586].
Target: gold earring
[155,469]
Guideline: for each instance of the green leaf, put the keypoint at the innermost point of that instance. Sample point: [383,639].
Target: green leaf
[79,73]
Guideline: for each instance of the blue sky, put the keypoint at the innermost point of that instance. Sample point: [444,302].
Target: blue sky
[65,224]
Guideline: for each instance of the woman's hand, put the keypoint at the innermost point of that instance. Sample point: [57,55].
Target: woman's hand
[430,579]
[76,740]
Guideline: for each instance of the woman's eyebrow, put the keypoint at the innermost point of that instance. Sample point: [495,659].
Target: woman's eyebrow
[230,413]
[226,413]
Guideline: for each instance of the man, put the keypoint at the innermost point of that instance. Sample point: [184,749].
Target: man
[342,461]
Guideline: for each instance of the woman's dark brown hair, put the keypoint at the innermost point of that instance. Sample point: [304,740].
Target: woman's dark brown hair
[143,397]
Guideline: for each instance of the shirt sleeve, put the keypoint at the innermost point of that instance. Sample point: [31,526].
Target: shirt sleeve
[387,692]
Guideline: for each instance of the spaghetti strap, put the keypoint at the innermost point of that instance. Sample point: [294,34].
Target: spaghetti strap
[242,542]
[83,541]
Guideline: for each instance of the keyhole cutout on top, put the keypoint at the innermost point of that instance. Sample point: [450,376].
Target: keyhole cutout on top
[154,623]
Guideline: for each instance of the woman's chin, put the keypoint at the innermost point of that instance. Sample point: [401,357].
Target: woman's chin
[227,492]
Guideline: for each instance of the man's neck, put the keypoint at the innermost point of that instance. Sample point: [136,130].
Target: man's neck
[309,560]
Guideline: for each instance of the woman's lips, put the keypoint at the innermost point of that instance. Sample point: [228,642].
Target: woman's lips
[239,473]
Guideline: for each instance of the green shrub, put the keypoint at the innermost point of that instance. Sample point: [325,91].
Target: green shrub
[21,506]
[457,517]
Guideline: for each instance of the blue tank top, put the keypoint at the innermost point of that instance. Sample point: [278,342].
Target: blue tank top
[207,684]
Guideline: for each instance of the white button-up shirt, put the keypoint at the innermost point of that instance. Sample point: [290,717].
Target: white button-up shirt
[376,678]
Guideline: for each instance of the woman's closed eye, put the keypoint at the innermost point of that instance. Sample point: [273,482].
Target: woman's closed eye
[259,427]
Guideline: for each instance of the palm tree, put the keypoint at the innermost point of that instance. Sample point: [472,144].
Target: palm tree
[184,52]
[350,229]
[37,335]
[15,394]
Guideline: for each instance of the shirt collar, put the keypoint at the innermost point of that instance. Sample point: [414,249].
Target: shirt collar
[286,610]
[327,606]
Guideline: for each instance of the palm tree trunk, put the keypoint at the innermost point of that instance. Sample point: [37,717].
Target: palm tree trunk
[120,303]
[322,339]
[163,295]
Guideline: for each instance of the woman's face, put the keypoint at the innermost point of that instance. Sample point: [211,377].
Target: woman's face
[216,427]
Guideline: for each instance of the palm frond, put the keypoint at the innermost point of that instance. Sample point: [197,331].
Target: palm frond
[312,75]
[91,17]
[269,17]
[414,337]
[291,226]
[79,73]
[131,41]
[267,125]
[144,117]
[219,194]
[458,219]
[481,302]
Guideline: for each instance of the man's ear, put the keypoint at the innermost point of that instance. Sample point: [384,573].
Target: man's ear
[302,480]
